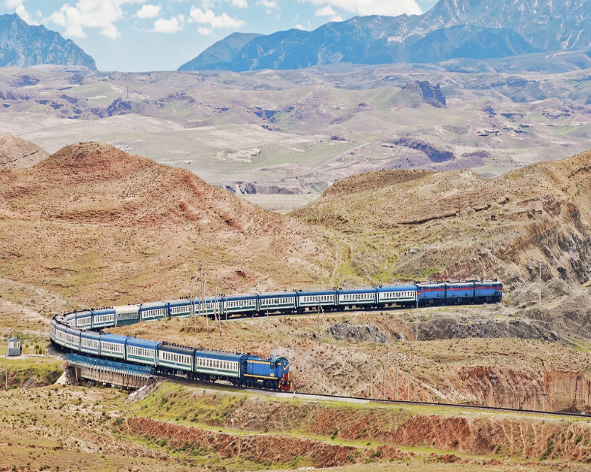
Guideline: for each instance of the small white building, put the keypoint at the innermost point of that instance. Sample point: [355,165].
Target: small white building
[14,347]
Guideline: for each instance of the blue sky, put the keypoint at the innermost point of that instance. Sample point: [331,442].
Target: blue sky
[146,35]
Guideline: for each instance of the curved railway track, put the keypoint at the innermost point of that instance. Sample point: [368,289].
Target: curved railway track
[326,397]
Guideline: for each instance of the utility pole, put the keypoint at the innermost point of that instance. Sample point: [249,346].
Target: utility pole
[397,372]
[192,306]
[318,320]
[371,379]
[218,313]
[540,283]
[6,357]
[384,376]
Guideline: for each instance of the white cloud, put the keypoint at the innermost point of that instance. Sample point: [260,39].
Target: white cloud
[148,11]
[172,25]
[99,14]
[208,17]
[328,11]
[204,31]
[270,4]
[240,3]
[20,10]
[372,7]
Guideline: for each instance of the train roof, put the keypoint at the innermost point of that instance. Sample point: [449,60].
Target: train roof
[180,302]
[114,338]
[397,288]
[145,343]
[430,284]
[244,296]
[90,334]
[277,294]
[176,349]
[103,311]
[358,290]
[317,292]
[83,313]
[151,305]
[226,356]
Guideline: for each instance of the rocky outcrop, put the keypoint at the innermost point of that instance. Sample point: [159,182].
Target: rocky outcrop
[433,153]
[458,327]
[359,333]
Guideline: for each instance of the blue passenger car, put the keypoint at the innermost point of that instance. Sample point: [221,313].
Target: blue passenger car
[73,339]
[84,319]
[142,351]
[179,308]
[173,358]
[213,365]
[90,343]
[357,297]
[272,302]
[113,346]
[403,295]
[240,304]
[103,318]
[60,334]
[314,299]
[153,311]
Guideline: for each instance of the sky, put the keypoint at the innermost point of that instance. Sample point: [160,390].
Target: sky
[150,35]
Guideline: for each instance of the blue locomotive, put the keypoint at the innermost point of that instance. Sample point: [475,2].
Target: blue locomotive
[79,332]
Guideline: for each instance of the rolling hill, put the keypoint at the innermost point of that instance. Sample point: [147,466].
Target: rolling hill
[97,225]
[446,225]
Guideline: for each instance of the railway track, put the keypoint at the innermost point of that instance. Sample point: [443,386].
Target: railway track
[315,396]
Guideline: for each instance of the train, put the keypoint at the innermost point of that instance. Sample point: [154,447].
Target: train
[80,332]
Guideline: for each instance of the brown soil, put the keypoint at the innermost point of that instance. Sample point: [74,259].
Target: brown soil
[274,449]
[99,226]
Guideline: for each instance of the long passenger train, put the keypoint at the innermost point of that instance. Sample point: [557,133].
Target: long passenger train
[77,331]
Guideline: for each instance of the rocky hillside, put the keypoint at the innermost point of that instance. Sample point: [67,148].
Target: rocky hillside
[23,45]
[442,225]
[16,152]
[93,223]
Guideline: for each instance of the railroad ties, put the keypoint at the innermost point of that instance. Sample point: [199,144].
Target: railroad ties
[109,372]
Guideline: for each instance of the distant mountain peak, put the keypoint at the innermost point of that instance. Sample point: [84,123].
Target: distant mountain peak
[24,45]
[485,29]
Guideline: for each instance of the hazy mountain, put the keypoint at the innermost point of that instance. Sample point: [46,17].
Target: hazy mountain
[469,41]
[23,45]
[476,29]
[220,54]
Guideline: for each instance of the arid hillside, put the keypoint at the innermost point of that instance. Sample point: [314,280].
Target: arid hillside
[97,225]
[16,152]
[456,224]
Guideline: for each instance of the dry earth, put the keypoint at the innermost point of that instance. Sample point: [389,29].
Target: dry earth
[281,137]
[456,224]
[16,152]
[96,225]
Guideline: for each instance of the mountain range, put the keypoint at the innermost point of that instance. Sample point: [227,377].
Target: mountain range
[24,45]
[475,29]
